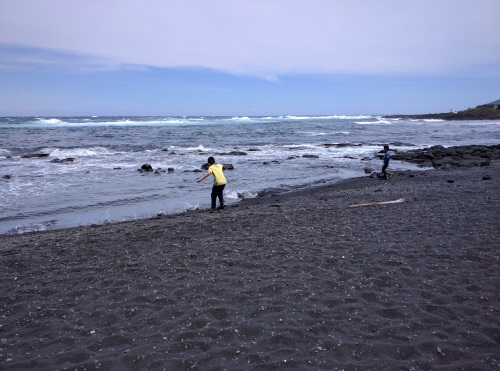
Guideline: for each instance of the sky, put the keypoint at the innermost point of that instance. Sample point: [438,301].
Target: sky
[247,57]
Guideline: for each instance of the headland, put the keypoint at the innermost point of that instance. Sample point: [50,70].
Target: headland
[469,114]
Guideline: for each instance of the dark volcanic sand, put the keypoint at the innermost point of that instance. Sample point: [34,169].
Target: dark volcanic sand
[289,281]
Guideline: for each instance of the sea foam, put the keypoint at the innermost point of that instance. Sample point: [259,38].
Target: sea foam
[77,152]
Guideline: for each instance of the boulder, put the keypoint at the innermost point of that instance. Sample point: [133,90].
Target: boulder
[145,168]
[234,153]
[63,161]
[160,170]
[6,177]
[377,175]
[339,145]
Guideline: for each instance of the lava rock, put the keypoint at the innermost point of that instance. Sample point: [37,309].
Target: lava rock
[30,155]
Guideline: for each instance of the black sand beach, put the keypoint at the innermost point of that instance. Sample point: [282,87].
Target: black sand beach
[288,281]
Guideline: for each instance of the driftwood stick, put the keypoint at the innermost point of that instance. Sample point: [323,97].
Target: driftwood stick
[398,201]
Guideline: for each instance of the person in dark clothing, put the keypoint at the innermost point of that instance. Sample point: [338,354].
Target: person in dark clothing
[387,157]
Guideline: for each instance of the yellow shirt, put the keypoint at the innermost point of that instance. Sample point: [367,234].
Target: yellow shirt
[216,171]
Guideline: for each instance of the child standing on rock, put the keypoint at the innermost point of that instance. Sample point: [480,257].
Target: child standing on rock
[219,182]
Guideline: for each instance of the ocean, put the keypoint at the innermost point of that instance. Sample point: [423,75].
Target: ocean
[269,154]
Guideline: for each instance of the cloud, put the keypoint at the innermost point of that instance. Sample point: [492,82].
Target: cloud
[265,38]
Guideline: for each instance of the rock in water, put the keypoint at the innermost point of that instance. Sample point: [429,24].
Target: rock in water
[146,167]
[35,155]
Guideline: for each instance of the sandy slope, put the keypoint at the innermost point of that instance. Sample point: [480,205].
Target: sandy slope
[289,281]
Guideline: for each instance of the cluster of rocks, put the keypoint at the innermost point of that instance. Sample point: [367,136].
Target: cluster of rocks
[147,168]
[200,152]
[238,152]
[55,160]
[62,161]
[436,156]
[340,145]
[440,157]
[233,153]
[39,155]
[303,156]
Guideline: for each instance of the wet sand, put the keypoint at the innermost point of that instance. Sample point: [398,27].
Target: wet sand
[289,281]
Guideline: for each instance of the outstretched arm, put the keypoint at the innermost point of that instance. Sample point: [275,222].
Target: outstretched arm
[203,177]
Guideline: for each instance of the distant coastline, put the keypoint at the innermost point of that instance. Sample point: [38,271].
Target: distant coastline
[470,114]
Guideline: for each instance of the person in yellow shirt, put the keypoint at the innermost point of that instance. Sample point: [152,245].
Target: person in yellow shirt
[219,182]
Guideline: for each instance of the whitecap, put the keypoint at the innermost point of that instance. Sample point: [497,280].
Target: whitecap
[321,133]
[77,152]
[169,121]
[347,117]
[200,147]
[372,122]
[297,117]
[243,118]
[340,117]
[50,121]
[299,146]
[343,117]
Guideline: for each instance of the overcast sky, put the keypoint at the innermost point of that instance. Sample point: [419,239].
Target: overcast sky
[252,57]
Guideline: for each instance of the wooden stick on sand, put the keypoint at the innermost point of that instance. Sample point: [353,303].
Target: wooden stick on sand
[398,201]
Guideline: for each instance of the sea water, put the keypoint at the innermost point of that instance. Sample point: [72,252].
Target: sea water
[102,184]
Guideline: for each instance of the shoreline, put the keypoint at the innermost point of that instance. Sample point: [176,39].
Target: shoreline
[437,157]
[291,280]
